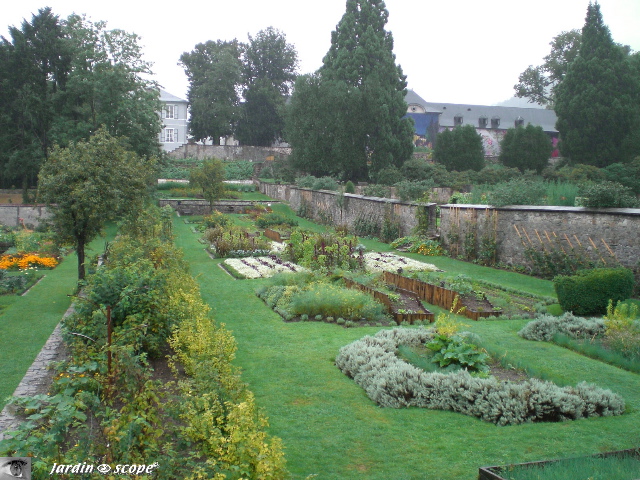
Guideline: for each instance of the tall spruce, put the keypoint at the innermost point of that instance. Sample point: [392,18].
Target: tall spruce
[368,130]
[597,102]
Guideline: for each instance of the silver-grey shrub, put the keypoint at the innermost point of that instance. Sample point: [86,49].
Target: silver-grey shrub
[545,327]
[391,382]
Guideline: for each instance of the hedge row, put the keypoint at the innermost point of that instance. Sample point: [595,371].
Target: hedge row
[391,382]
[588,291]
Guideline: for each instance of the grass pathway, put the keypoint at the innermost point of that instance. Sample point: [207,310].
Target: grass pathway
[28,321]
[329,426]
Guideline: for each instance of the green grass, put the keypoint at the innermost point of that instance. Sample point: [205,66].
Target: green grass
[27,321]
[331,428]
[591,468]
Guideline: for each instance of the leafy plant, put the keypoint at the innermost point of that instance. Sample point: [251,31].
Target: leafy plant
[623,329]
[454,352]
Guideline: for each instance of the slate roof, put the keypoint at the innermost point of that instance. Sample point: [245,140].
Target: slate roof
[167,97]
[471,113]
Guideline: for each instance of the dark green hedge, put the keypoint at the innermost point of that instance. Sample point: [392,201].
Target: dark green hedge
[588,291]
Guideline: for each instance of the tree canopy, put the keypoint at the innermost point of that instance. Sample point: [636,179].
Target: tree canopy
[63,79]
[240,89]
[35,65]
[270,65]
[597,102]
[539,83]
[459,149]
[214,71]
[526,148]
[360,91]
[89,183]
[210,178]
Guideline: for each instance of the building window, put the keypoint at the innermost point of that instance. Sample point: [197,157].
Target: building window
[483,122]
[495,122]
[519,122]
[170,111]
[457,120]
[170,135]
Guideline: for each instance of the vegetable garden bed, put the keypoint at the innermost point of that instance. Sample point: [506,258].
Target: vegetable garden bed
[475,308]
[406,309]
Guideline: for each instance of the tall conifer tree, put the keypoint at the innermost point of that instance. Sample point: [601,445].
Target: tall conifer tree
[368,131]
[597,101]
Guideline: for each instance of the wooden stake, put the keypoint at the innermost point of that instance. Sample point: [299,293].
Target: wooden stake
[555,241]
[597,251]
[568,241]
[574,236]
[610,251]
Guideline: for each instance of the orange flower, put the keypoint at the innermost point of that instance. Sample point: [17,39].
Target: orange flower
[23,262]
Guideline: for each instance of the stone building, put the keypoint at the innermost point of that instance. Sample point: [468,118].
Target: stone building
[491,122]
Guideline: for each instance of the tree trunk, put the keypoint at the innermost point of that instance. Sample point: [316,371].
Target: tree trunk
[80,254]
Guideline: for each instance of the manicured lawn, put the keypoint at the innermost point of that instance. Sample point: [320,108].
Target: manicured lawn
[27,321]
[330,427]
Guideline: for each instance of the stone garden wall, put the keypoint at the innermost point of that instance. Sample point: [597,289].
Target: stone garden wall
[201,207]
[228,152]
[343,209]
[13,215]
[600,231]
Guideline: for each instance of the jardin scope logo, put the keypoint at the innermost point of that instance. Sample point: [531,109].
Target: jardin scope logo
[120,469]
[15,467]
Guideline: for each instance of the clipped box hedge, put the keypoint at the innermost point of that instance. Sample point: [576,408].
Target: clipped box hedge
[588,291]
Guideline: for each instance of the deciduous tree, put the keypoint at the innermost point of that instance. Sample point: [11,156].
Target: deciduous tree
[89,183]
[539,83]
[210,178]
[60,81]
[108,86]
[214,70]
[270,65]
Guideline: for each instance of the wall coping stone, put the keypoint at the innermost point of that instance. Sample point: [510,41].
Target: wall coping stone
[546,208]
[364,197]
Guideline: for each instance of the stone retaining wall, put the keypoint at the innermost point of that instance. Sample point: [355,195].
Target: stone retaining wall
[618,228]
[38,378]
[202,207]
[228,152]
[344,209]
[31,215]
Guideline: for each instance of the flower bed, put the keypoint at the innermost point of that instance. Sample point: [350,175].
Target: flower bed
[260,267]
[25,261]
[390,262]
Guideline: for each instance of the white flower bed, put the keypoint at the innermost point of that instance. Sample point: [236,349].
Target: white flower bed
[261,267]
[389,262]
[277,247]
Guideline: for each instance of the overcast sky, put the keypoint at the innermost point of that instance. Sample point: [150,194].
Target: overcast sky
[460,51]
